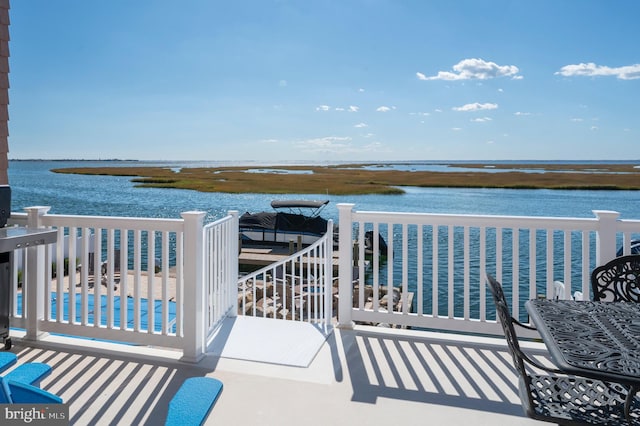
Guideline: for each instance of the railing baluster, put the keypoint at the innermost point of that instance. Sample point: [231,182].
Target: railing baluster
[137,281]
[533,291]
[71,268]
[435,262]
[97,285]
[466,278]
[404,289]
[567,259]
[420,253]
[361,268]
[451,271]
[124,278]
[84,276]
[165,282]
[151,257]
[483,272]
[586,270]
[515,247]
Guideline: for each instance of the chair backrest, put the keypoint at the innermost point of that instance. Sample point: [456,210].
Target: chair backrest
[618,280]
[506,320]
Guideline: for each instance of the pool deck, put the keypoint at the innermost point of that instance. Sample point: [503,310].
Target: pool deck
[368,376]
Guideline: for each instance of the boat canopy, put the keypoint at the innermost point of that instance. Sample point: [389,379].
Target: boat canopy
[294,221]
[296,204]
[283,222]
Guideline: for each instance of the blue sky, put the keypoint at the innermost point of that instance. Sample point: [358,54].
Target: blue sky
[343,80]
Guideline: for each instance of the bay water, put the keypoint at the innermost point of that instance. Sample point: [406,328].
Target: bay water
[34,184]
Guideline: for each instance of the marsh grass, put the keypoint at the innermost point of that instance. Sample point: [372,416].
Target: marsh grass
[355,179]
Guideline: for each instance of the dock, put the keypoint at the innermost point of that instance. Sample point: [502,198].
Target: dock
[264,256]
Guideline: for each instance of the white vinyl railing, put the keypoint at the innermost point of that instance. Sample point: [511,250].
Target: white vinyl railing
[220,270]
[436,264]
[170,282]
[299,287]
[135,280]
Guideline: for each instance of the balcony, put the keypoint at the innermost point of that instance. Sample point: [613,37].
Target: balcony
[367,375]
[440,359]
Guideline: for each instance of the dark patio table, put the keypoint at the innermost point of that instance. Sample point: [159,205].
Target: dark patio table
[599,340]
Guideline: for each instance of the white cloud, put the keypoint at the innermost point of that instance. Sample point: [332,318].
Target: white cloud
[337,145]
[577,120]
[594,128]
[476,106]
[383,109]
[474,69]
[628,72]
[456,129]
[520,113]
[351,108]
[361,90]
[482,119]
[361,125]
[374,147]
[326,144]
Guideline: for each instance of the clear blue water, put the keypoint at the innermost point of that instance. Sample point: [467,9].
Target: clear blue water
[32,183]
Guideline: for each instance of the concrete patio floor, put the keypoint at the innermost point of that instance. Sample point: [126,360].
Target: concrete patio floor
[365,376]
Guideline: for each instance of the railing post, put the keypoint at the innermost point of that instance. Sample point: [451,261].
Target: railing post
[345,266]
[34,278]
[606,235]
[194,294]
[234,252]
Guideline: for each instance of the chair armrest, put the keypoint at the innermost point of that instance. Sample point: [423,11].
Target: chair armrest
[530,360]
[528,327]
[30,373]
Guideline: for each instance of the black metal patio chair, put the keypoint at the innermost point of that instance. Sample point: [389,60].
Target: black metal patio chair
[618,280]
[552,396]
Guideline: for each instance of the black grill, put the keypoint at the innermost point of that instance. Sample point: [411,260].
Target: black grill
[5,204]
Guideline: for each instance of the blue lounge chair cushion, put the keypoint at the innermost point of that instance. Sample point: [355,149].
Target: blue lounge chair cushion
[21,393]
[30,373]
[7,359]
[193,401]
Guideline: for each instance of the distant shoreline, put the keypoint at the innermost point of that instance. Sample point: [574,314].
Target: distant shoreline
[377,178]
[74,160]
[325,163]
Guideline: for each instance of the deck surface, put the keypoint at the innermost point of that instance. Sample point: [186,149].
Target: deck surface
[367,376]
